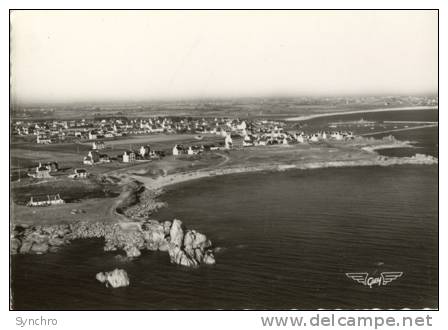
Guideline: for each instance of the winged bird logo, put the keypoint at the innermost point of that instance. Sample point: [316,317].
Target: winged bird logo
[365,279]
[390,276]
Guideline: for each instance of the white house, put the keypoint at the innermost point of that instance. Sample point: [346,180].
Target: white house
[92,135]
[98,145]
[43,140]
[175,150]
[128,157]
[79,173]
[337,136]
[144,151]
[228,141]
[54,200]
[242,126]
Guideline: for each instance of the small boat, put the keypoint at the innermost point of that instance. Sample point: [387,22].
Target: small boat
[198,137]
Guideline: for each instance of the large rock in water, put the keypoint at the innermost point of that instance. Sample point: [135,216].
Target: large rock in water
[132,251]
[177,256]
[40,248]
[209,258]
[176,233]
[116,278]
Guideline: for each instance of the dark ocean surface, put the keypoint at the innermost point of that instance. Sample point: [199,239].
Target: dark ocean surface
[286,241]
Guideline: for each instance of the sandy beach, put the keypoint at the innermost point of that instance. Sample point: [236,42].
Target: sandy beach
[172,179]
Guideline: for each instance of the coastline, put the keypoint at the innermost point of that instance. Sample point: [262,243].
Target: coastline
[350,112]
[173,179]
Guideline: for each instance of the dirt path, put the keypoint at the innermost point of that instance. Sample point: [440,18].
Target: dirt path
[226,159]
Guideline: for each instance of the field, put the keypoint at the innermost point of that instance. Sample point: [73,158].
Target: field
[96,196]
[93,209]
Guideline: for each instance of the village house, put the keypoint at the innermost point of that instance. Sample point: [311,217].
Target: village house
[79,173]
[228,143]
[42,171]
[95,157]
[92,135]
[195,150]
[43,139]
[104,158]
[40,201]
[261,142]
[176,150]
[128,157]
[337,136]
[300,138]
[98,145]
[91,158]
[144,151]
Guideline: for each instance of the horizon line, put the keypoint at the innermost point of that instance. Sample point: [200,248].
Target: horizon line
[13,102]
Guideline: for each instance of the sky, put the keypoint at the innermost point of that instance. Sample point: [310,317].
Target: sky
[59,56]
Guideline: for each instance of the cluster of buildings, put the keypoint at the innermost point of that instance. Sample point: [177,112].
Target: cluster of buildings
[57,131]
[144,152]
[43,171]
[250,133]
[95,157]
[278,136]
[263,137]
[180,149]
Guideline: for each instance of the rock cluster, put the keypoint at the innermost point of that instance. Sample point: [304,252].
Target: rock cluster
[189,248]
[116,278]
[39,239]
[146,206]
[185,247]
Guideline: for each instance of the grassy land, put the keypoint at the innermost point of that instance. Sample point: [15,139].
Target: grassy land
[95,209]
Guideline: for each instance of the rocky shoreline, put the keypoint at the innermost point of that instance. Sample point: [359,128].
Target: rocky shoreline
[185,247]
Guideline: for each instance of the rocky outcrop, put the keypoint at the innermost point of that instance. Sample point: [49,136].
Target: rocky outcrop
[191,249]
[146,205]
[38,239]
[176,233]
[185,247]
[116,278]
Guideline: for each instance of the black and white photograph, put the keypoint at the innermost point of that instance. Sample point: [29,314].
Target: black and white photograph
[205,160]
